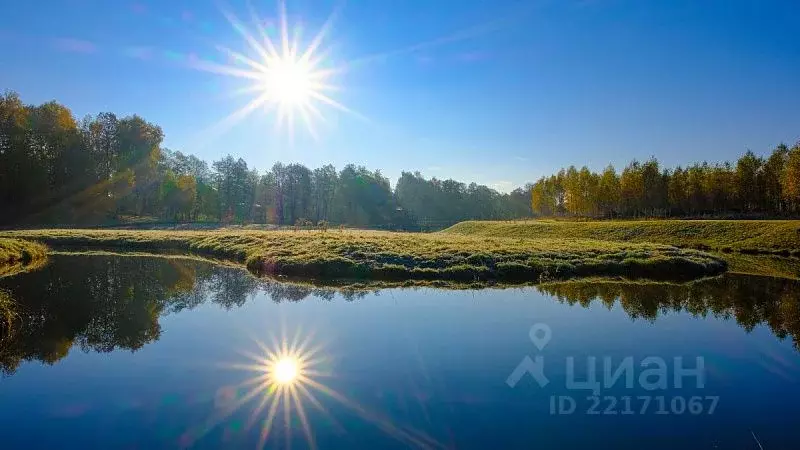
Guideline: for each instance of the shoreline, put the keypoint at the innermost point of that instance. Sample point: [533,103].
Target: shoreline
[388,256]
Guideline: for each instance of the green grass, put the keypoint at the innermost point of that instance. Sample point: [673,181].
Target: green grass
[17,250]
[375,255]
[763,265]
[8,314]
[17,255]
[780,237]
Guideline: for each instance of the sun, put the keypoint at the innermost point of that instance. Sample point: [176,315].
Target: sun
[288,81]
[285,370]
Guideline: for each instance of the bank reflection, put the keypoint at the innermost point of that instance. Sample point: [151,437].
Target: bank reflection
[749,300]
[104,303]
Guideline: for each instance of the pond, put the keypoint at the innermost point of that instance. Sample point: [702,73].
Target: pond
[147,352]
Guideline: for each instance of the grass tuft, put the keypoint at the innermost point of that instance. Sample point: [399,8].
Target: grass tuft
[8,315]
[18,255]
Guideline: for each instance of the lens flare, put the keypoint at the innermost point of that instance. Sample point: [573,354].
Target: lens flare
[286,79]
[284,375]
[291,81]
[287,376]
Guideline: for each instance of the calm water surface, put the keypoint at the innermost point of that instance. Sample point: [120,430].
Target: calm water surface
[142,352]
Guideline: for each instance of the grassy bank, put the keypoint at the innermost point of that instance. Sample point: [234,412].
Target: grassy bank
[780,237]
[763,265]
[17,255]
[403,256]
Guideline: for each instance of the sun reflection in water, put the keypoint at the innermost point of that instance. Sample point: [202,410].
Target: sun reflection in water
[285,370]
[283,379]
[286,378]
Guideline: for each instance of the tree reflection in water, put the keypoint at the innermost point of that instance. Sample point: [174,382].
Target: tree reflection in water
[750,300]
[104,303]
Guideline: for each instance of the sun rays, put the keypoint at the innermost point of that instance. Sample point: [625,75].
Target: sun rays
[284,379]
[293,79]
[285,79]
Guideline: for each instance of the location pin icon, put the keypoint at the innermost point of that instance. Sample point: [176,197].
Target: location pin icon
[540,335]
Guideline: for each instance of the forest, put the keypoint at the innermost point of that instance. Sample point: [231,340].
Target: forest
[105,169]
[752,187]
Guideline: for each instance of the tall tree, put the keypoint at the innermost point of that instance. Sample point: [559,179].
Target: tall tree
[631,184]
[608,195]
[749,183]
[323,187]
[236,187]
[773,172]
[791,178]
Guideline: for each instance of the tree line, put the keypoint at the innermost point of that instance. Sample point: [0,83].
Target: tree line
[753,186]
[55,169]
[106,169]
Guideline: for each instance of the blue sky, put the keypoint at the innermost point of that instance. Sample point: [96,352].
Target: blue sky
[498,92]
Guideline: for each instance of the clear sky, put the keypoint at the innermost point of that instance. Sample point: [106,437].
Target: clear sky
[498,92]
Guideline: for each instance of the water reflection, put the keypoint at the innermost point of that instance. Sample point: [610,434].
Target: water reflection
[104,303]
[750,300]
[421,368]
[282,375]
